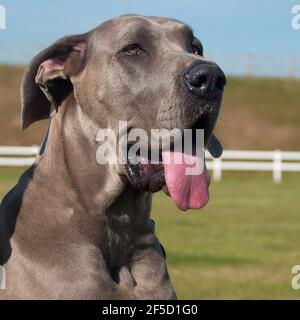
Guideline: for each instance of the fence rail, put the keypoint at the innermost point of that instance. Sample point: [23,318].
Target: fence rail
[249,64]
[276,161]
[17,156]
[239,64]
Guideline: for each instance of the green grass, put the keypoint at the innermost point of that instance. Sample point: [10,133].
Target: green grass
[8,178]
[273,99]
[242,245]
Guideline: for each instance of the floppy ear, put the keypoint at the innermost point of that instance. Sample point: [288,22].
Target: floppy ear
[47,81]
[214,147]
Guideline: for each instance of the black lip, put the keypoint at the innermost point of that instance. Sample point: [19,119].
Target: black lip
[146,177]
[206,123]
[150,177]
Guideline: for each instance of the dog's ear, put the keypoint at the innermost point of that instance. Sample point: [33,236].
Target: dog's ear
[47,81]
[215,147]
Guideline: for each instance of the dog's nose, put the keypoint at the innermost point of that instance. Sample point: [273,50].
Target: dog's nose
[204,78]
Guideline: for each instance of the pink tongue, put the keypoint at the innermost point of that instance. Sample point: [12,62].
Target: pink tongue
[187,191]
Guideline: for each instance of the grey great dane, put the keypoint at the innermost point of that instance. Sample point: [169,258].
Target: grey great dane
[74,229]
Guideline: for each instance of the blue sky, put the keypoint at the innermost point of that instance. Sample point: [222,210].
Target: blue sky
[231,26]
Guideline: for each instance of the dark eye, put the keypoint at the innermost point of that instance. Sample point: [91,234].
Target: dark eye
[197,48]
[132,50]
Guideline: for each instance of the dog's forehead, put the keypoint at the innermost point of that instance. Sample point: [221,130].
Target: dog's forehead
[120,26]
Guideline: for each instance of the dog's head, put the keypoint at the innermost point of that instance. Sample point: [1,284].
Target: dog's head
[148,71]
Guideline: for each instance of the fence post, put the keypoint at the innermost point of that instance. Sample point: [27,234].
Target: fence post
[217,169]
[277,170]
[291,67]
[248,64]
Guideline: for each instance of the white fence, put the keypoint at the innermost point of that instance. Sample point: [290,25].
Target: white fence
[275,161]
[240,64]
[257,64]
[17,156]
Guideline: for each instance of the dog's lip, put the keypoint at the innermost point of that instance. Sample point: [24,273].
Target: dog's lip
[166,190]
[137,174]
[204,122]
[146,177]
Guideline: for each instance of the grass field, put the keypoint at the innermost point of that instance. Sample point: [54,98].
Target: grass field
[242,245]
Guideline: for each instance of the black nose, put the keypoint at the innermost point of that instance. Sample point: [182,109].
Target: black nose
[204,78]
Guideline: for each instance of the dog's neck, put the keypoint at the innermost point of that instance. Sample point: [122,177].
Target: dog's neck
[92,198]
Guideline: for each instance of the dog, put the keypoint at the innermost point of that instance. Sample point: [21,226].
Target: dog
[70,228]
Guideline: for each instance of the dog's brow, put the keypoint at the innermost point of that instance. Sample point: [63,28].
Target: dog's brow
[140,34]
[186,31]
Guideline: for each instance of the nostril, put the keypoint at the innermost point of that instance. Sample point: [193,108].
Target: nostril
[197,80]
[204,78]
[201,81]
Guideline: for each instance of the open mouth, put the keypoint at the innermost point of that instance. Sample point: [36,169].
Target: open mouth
[170,174]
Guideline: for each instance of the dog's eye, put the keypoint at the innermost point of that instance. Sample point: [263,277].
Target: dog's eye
[133,50]
[197,48]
